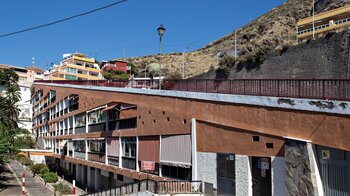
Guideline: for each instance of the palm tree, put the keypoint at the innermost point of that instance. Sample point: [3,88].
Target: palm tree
[8,113]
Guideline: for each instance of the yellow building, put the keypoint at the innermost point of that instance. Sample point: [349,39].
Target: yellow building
[333,20]
[75,67]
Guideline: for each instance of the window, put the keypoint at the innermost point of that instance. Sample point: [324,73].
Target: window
[176,172]
[97,117]
[80,120]
[97,146]
[129,152]
[79,146]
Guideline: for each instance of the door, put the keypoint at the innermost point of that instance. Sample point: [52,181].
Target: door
[226,174]
[261,176]
[334,167]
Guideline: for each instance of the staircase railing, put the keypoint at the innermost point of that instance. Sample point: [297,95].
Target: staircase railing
[160,187]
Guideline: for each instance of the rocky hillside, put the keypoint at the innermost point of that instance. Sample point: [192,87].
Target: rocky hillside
[273,29]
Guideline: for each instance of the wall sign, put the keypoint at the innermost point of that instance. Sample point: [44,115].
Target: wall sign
[326,154]
[147,165]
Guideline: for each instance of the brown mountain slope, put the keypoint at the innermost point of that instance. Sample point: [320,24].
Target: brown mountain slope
[275,28]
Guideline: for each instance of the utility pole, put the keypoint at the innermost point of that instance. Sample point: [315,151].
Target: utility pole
[236,42]
[313,19]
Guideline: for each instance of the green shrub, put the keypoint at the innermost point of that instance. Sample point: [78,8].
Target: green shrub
[258,56]
[225,65]
[44,170]
[50,177]
[63,188]
[38,168]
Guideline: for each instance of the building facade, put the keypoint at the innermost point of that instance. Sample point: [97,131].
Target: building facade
[75,67]
[332,21]
[26,77]
[242,145]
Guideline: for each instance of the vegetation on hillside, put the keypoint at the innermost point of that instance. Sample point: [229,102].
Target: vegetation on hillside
[275,29]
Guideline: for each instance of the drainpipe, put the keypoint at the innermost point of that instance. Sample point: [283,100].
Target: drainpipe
[194,149]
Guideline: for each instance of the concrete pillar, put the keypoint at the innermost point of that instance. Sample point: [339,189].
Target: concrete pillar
[86,149]
[194,150]
[299,180]
[243,176]
[89,180]
[77,172]
[97,185]
[82,173]
[278,176]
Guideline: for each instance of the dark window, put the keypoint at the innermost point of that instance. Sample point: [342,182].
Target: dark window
[176,172]
[256,138]
[269,145]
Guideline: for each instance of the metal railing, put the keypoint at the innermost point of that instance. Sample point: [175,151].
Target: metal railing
[129,123]
[332,89]
[160,187]
[97,127]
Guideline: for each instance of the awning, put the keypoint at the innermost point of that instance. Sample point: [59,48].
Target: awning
[175,164]
[63,143]
[109,107]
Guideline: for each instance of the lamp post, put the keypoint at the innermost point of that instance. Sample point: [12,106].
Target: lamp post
[236,41]
[161,29]
[313,19]
[183,63]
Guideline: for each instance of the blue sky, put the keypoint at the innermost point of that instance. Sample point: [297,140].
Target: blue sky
[131,25]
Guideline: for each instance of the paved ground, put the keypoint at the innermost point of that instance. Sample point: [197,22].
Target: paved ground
[33,187]
[9,185]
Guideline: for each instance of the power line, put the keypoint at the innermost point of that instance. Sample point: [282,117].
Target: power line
[64,19]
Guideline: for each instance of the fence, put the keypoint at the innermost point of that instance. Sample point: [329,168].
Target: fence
[161,187]
[333,89]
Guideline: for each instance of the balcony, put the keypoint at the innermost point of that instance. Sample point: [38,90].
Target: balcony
[97,157]
[80,130]
[113,160]
[98,127]
[129,123]
[80,155]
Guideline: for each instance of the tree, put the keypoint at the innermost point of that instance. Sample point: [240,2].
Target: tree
[133,69]
[153,69]
[8,113]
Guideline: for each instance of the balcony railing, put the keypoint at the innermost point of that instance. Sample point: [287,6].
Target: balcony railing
[98,127]
[129,123]
[80,130]
[98,157]
[80,155]
[113,160]
[332,89]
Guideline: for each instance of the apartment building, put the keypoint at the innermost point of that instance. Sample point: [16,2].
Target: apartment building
[241,144]
[115,65]
[75,66]
[26,77]
[331,21]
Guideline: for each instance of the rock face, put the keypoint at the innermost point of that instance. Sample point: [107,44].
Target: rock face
[298,170]
[323,58]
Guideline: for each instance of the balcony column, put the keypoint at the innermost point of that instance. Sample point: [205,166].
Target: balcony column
[160,155]
[97,179]
[78,173]
[89,184]
[87,123]
[137,154]
[67,147]
[73,124]
[120,152]
[59,149]
[106,151]
[107,129]
[86,149]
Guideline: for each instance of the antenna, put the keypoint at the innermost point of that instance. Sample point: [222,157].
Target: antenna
[33,61]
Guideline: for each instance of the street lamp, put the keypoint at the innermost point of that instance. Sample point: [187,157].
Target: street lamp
[161,31]
[236,41]
[313,19]
[183,63]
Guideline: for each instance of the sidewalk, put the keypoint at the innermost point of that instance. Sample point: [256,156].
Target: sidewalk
[9,185]
[32,187]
